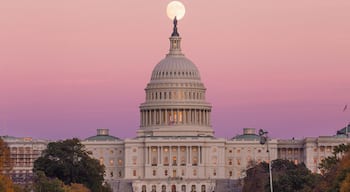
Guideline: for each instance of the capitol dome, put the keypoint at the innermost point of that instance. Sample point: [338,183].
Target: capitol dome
[175,97]
[175,67]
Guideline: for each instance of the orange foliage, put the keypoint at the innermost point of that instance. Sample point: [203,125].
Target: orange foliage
[76,187]
[5,159]
[6,184]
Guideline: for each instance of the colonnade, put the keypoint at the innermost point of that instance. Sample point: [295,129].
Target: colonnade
[151,117]
[174,155]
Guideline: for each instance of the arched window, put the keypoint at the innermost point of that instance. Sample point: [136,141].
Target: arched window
[203,188]
[144,188]
[183,188]
[154,188]
[193,188]
[163,188]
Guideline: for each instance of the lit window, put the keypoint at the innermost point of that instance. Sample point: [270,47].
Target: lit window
[101,161]
[134,159]
[120,162]
[111,162]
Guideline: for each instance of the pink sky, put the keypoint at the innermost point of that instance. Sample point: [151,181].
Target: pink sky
[69,67]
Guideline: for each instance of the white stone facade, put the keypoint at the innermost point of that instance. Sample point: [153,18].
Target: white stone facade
[24,151]
[175,148]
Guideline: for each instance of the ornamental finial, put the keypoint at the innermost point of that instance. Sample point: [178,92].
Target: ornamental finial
[175,33]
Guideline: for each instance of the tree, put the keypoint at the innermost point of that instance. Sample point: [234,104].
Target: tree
[287,177]
[5,158]
[69,161]
[43,183]
[75,187]
[345,185]
[6,184]
[335,171]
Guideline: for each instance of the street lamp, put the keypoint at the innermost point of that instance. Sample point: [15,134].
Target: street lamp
[265,139]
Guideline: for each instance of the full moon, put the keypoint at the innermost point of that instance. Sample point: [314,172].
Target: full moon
[175,9]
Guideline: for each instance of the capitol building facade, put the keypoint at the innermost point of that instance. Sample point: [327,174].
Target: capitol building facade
[175,149]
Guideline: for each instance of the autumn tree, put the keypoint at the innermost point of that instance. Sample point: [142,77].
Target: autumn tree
[335,171]
[75,187]
[6,184]
[5,157]
[69,162]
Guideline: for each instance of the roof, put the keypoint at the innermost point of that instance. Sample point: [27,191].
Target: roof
[102,138]
[246,137]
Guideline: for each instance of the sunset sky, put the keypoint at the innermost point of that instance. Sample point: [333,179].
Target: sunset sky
[68,67]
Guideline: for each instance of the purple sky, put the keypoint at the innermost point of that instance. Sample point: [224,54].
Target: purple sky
[69,67]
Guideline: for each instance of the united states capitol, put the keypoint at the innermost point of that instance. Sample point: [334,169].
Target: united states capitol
[175,148]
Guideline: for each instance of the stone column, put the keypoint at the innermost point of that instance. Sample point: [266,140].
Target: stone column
[160,117]
[166,117]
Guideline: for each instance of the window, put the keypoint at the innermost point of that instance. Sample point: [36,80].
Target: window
[163,188]
[154,188]
[214,160]
[182,172]
[230,161]
[101,161]
[194,161]
[183,188]
[166,172]
[174,161]
[134,173]
[120,162]
[144,188]
[111,162]
[230,173]
[214,172]
[166,161]
[203,188]
[134,159]
[194,172]
[154,172]
[238,162]
[111,174]
[193,188]
[154,161]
